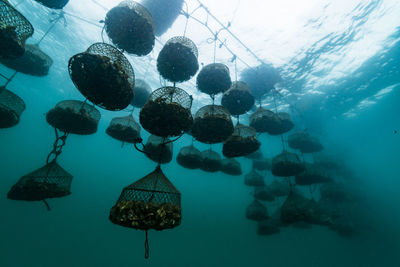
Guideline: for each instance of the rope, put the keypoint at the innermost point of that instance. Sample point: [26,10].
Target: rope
[9,79]
[47,204]
[58,145]
[54,22]
[146,246]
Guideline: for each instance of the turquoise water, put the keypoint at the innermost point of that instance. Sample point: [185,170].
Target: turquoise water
[349,100]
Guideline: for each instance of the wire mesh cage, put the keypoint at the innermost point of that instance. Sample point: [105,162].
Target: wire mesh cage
[142,93]
[54,4]
[124,129]
[131,28]
[262,164]
[256,211]
[313,174]
[287,164]
[211,161]
[167,112]
[189,157]
[253,178]
[152,202]
[212,124]
[263,193]
[50,181]
[14,30]
[238,99]
[242,142]
[177,61]
[284,124]
[304,142]
[33,62]
[231,167]
[263,120]
[159,149]
[74,116]
[214,79]
[104,76]
[11,108]
[267,227]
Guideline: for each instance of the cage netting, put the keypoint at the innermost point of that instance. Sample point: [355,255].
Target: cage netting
[14,30]
[255,155]
[104,76]
[304,142]
[283,124]
[256,211]
[287,164]
[33,62]
[313,174]
[212,124]
[54,4]
[177,60]
[11,108]
[142,93]
[231,167]
[211,161]
[267,227]
[124,129]
[262,164]
[167,112]
[238,99]
[74,116]
[266,121]
[159,149]
[279,188]
[214,79]
[242,142]
[131,28]
[253,178]
[263,193]
[189,157]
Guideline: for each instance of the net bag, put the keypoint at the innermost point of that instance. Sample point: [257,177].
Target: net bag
[33,62]
[263,120]
[238,99]
[189,157]
[73,116]
[142,93]
[14,30]
[255,155]
[279,188]
[242,142]
[167,112]
[231,167]
[256,211]
[262,164]
[283,124]
[211,161]
[287,164]
[50,181]
[263,193]
[313,174]
[104,76]
[11,108]
[177,61]
[131,28]
[304,142]
[55,4]
[214,79]
[253,178]
[159,149]
[267,227]
[124,129]
[212,124]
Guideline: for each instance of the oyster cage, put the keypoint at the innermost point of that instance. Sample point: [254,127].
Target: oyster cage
[238,99]
[214,79]
[159,149]
[189,157]
[124,129]
[55,4]
[11,108]
[287,164]
[242,142]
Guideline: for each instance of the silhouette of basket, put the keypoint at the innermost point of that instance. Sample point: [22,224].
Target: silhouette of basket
[124,129]
[11,108]
[238,99]
[54,4]
[214,79]
[242,142]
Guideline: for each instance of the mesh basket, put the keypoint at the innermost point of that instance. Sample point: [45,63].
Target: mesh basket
[50,181]
[313,174]
[159,149]
[55,4]
[267,227]
[214,79]
[262,164]
[304,142]
[256,211]
[238,99]
[11,108]
[152,202]
[189,157]
[284,124]
[242,142]
[167,113]
[231,167]
[263,193]
[131,28]
[279,188]
[211,161]
[212,124]
[73,116]
[261,79]
[104,76]
[124,129]
[177,61]
[33,62]
[263,120]
[287,164]
[14,30]
[253,178]
[142,93]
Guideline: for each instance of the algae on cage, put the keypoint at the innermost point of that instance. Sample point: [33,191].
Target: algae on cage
[238,99]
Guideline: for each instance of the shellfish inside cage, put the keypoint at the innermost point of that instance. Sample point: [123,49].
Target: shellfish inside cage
[167,112]
[131,28]
[142,93]
[287,164]
[242,142]
[124,129]
[11,108]
[189,157]
[214,79]
[177,60]
[231,167]
[211,161]
[256,211]
[74,116]
[159,149]
[14,30]
[304,142]
[104,76]
[212,124]
[284,124]
[54,4]
[253,178]
[266,121]
[238,99]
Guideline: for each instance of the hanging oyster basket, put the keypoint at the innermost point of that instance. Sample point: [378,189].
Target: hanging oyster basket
[167,112]
[263,193]
[304,142]
[238,99]
[74,116]
[11,108]
[287,164]
[177,61]
[54,4]
[131,28]
[104,76]
[189,157]
[211,161]
[283,124]
[313,174]
[142,93]
[124,129]
[242,142]
[214,79]
[14,30]
[256,211]
[263,120]
[253,178]
[159,149]
[231,167]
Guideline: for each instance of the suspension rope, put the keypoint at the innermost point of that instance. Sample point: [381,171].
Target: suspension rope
[58,145]
[53,23]
[8,79]
[146,246]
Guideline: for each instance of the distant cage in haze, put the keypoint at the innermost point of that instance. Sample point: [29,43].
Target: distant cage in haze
[253,178]
[231,167]
[304,142]
[142,93]
[242,142]
[189,157]
[124,129]
[214,79]
[211,161]
[14,30]
[287,164]
[54,4]
[256,211]
[159,149]
[264,120]
[11,108]
[238,99]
